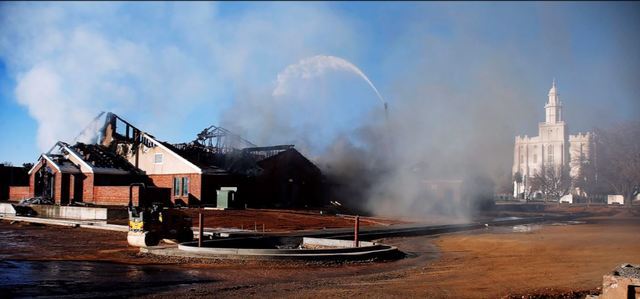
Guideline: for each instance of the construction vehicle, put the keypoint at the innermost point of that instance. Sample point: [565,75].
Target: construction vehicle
[149,223]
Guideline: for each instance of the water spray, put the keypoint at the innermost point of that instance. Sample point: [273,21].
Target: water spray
[316,66]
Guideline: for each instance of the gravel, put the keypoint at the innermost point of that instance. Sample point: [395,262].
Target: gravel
[628,270]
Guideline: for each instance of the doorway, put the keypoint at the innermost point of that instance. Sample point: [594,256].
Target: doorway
[44,184]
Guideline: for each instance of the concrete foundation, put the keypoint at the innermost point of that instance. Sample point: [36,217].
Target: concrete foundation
[7,209]
[77,213]
[102,225]
[278,248]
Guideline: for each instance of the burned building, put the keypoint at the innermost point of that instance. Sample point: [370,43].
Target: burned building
[288,179]
[87,173]
[273,176]
[186,174]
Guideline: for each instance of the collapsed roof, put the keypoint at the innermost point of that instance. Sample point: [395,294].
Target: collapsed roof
[96,158]
[99,156]
[215,150]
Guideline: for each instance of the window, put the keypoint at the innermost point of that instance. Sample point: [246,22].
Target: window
[176,187]
[550,153]
[535,158]
[157,159]
[521,159]
[185,186]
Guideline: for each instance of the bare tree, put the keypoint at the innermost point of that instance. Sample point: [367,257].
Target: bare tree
[517,177]
[584,177]
[618,158]
[552,181]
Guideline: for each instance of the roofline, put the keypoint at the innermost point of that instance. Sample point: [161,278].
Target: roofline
[75,155]
[34,165]
[51,161]
[158,143]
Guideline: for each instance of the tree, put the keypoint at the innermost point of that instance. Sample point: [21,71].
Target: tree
[27,166]
[618,158]
[552,181]
[584,176]
[517,177]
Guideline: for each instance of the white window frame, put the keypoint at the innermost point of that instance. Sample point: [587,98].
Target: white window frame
[185,186]
[176,186]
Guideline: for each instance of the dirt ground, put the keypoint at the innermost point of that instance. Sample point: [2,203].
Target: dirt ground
[281,220]
[276,220]
[489,263]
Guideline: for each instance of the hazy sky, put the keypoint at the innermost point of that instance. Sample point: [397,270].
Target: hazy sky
[174,68]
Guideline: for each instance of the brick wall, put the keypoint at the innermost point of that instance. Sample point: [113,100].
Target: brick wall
[72,194]
[32,183]
[88,189]
[114,195]
[58,187]
[195,186]
[57,181]
[32,178]
[19,192]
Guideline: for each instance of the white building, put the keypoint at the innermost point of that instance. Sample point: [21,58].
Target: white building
[553,147]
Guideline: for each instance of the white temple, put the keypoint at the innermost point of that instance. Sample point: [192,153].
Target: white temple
[553,147]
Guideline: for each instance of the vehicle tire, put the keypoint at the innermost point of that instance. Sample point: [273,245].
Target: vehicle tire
[151,239]
[185,235]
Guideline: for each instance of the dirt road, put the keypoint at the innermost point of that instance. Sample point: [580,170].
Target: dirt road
[491,263]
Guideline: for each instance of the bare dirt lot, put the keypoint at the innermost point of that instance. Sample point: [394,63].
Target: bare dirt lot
[490,263]
[276,220]
[280,220]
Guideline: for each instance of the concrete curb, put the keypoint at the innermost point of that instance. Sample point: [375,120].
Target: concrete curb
[70,223]
[370,251]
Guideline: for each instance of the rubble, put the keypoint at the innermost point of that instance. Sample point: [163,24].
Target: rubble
[623,282]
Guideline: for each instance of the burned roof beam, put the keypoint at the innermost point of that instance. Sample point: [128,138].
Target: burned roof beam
[222,139]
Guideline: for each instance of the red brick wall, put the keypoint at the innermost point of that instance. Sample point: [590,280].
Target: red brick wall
[32,178]
[57,183]
[58,188]
[114,195]
[19,192]
[87,188]
[166,181]
[72,180]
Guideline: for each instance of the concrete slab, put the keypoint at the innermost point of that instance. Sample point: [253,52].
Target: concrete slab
[103,225]
[66,212]
[7,208]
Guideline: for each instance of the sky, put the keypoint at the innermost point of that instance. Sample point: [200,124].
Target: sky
[474,69]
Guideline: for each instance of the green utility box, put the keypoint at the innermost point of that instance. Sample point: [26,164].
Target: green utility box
[226,198]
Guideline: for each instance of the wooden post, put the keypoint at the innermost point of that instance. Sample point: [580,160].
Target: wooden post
[200,229]
[355,232]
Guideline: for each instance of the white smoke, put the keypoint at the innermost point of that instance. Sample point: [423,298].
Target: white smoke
[316,66]
[170,61]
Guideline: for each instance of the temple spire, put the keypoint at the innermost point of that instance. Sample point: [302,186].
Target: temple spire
[553,107]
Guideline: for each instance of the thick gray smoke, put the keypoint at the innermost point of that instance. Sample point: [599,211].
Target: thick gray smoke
[433,155]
